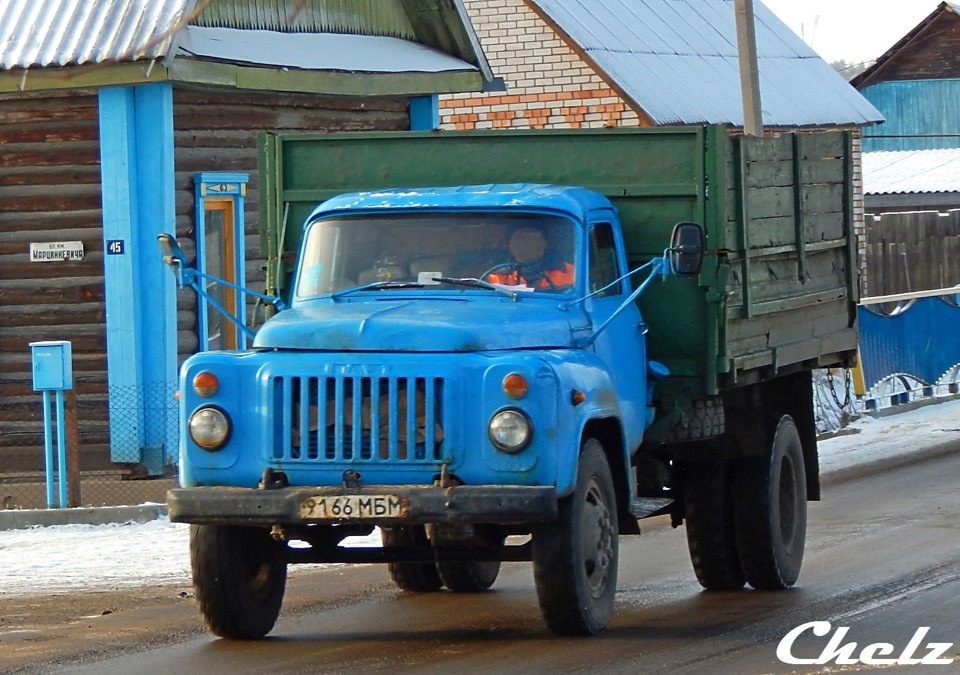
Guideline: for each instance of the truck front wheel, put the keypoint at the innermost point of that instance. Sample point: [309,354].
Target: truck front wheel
[575,558]
[239,575]
[771,510]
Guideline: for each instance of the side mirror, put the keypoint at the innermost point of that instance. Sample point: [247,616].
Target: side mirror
[687,245]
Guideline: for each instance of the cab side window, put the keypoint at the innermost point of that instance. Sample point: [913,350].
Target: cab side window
[603,260]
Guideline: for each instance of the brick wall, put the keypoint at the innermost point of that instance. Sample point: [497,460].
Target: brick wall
[548,85]
[859,219]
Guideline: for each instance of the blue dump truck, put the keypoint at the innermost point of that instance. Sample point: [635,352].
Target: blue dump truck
[489,364]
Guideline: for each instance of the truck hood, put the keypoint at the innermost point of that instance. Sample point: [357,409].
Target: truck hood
[423,325]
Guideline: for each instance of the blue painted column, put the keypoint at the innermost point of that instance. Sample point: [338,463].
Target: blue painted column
[137,178]
[425,113]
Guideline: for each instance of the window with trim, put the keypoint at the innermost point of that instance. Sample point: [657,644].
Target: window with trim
[219,233]
[603,260]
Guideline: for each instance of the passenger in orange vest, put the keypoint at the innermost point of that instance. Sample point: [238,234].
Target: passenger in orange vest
[532,264]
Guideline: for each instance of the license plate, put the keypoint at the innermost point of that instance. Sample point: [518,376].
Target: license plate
[352,507]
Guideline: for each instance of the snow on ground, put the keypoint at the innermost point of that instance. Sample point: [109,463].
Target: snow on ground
[69,558]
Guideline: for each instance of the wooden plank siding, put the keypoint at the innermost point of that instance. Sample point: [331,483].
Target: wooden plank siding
[217,131]
[789,291]
[915,251]
[50,191]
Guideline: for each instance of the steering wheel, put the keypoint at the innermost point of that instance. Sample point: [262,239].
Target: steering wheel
[529,273]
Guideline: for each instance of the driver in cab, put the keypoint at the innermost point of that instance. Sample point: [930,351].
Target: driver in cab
[532,264]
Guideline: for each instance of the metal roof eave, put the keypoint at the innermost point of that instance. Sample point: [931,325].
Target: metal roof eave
[244,77]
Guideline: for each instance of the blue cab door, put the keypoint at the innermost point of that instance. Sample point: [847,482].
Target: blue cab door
[621,345]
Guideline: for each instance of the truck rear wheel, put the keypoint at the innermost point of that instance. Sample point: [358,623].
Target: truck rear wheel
[711,533]
[467,576]
[575,558]
[470,576]
[239,575]
[771,510]
[416,577]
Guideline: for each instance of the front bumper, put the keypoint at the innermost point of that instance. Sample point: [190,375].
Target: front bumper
[423,504]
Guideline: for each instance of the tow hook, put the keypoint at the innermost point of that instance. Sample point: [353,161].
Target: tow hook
[273,480]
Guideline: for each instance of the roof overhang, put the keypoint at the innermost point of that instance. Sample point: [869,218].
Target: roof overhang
[128,42]
[246,76]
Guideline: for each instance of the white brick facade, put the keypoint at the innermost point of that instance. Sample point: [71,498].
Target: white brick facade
[548,85]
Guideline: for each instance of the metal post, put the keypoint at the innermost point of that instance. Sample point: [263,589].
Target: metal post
[48,447]
[749,69]
[61,453]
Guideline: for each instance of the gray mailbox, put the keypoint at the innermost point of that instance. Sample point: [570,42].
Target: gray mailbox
[52,365]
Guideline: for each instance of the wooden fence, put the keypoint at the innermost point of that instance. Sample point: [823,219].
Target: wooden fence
[910,252]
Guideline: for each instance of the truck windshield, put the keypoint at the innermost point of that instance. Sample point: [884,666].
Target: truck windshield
[535,253]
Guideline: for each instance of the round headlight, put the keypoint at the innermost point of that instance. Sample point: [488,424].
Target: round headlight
[209,428]
[510,430]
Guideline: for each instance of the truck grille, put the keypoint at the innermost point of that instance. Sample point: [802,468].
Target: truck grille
[358,419]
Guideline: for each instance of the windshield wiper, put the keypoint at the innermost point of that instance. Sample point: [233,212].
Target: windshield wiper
[377,285]
[473,282]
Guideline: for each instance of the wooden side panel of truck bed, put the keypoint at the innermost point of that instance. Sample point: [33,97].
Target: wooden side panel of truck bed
[791,287]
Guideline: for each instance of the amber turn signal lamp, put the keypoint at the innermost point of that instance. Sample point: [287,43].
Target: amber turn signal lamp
[515,386]
[205,384]
[577,397]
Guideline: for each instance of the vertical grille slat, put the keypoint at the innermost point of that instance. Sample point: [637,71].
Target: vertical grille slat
[375,418]
[429,418]
[338,419]
[357,418]
[392,435]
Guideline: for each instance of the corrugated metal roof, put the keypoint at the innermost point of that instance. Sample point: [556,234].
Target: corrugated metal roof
[434,36]
[41,33]
[911,171]
[677,61]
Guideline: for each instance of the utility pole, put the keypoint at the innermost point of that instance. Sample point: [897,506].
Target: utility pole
[749,70]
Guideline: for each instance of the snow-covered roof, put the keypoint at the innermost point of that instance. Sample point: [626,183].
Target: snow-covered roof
[316,51]
[911,171]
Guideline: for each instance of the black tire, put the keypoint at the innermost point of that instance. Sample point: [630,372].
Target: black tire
[415,577]
[771,510]
[575,558]
[711,532]
[239,576]
[468,576]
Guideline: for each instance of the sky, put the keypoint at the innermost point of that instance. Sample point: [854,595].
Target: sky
[851,30]
[74,558]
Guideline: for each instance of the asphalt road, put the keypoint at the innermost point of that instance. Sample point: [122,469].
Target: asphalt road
[883,560]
